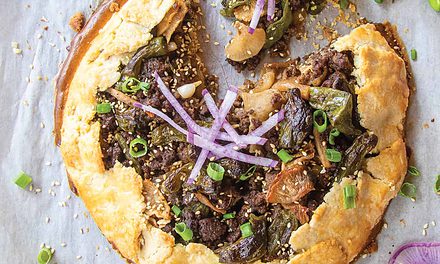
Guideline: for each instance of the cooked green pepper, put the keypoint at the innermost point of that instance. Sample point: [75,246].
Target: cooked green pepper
[355,155]
[126,119]
[175,177]
[165,134]
[230,5]
[247,249]
[276,30]
[298,121]
[279,232]
[125,149]
[156,47]
[338,105]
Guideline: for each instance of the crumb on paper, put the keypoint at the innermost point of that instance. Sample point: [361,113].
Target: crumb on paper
[425,125]
[114,7]
[77,21]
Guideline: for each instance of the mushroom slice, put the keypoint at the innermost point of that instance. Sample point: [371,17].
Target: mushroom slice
[290,185]
[172,19]
[244,45]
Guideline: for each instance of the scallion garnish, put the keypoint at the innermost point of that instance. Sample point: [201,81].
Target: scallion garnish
[349,196]
[103,108]
[44,256]
[229,216]
[176,210]
[435,4]
[246,230]
[135,150]
[184,231]
[413,54]
[249,173]
[215,171]
[320,114]
[437,185]
[333,134]
[144,86]
[408,190]
[284,156]
[413,171]
[343,4]
[378,1]
[333,155]
[22,180]
[132,85]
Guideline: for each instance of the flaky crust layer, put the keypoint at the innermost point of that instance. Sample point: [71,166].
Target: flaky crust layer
[117,199]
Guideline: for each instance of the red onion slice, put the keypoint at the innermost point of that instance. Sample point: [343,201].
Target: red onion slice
[270,10]
[241,141]
[190,123]
[218,150]
[417,253]
[228,102]
[256,16]
[267,125]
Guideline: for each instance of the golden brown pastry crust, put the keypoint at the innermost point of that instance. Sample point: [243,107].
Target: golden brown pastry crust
[382,102]
[117,198]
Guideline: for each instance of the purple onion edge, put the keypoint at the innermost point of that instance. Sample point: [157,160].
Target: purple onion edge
[410,245]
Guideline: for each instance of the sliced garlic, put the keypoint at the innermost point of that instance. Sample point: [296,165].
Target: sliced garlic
[188,90]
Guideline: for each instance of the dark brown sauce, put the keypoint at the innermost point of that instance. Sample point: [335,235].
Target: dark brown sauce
[78,48]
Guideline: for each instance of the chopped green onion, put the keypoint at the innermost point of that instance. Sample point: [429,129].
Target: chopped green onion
[135,151]
[343,4]
[349,196]
[378,1]
[229,216]
[249,173]
[408,190]
[413,171]
[184,231]
[131,85]
[44,256]
[215,171]
[176,210]
[435,4]
[413,54]
[144,86]
[284,156]
[333,155]
[22,180]
[437,185]
[103,108]
[333,134]
[246,230]
[319,113]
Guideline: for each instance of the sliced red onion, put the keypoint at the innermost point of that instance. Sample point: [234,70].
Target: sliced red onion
[270,10]
[267,125]
[241,141]
[227,103]
[161,115]
[417,253]
[191,124]
[256,16]
[219,150]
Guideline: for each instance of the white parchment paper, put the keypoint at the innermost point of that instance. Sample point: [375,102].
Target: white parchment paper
[55,217]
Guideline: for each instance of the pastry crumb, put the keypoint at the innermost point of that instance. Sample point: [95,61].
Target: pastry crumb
[114,7]
[77,21]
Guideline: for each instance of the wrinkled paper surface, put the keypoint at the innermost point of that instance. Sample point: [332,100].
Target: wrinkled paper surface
[28,219]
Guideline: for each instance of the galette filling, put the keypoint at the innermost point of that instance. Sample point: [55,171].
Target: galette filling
[242,211]
[265,25]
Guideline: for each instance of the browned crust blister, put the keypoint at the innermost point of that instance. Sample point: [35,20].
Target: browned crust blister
[116,198]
